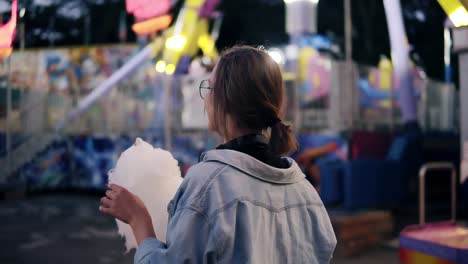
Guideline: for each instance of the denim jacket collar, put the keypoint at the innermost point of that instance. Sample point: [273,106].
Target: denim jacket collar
[254,167]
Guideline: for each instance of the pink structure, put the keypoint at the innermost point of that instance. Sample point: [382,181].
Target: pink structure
[7,31]
[144,9]
[320,72]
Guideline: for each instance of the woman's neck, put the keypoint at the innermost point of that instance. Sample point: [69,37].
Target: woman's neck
[235,133]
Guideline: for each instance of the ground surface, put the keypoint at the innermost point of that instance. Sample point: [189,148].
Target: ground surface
[68,228]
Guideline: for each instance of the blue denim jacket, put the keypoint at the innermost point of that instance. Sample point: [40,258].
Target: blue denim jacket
[232,208]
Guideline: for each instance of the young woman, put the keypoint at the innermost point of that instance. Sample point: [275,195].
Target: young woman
[244,202]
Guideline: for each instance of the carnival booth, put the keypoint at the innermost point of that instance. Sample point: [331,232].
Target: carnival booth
[365,131]
[443,242]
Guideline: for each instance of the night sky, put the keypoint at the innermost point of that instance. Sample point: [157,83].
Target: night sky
[256,22]
[263,22]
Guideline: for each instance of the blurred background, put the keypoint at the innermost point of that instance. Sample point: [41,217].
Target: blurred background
[375,92]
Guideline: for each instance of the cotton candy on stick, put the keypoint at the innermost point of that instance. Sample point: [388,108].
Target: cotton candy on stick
[154,176]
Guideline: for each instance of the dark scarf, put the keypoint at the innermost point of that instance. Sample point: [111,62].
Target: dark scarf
[256,146]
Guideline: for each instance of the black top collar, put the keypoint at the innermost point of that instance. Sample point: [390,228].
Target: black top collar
[255,145]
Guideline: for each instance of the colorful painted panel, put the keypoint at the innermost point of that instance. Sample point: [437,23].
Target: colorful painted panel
[64,76]
[440,240]
[408,256]
[83,162]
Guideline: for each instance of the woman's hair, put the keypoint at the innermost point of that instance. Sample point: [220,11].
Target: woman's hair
[249,87]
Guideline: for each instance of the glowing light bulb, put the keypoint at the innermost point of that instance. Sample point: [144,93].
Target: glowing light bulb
[170,69]
[176,42]
[276,55]
[160,66]
[456,11]
[459,17]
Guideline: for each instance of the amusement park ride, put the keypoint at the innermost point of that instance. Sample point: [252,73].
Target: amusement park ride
[7,32]
[172,45]
[172,48]
[176,40]
[444,242]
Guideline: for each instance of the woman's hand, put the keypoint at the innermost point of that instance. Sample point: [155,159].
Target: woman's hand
[128,208]
[122,204]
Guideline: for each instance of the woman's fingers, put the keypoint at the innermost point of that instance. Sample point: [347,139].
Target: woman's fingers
[106,202]
[110,194]
[120,203]
[115,187]
[105,210]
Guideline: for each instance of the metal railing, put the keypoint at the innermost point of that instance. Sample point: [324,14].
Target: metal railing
[422,189]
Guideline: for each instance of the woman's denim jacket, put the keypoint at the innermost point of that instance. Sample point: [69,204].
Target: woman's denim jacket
[232,208]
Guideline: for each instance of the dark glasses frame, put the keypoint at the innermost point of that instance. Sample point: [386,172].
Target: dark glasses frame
[205,84]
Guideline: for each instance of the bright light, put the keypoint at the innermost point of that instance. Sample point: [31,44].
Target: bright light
[22,12]
[206,43]
[276,55]
[455,11]
[176,43]
[459,17]
[170,69]
[160,66]
[292,52]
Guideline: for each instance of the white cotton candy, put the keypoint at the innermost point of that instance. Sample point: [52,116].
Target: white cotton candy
[154,176]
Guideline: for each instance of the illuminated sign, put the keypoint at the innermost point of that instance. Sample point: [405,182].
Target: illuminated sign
[7,31]
[144,9]
[152,25]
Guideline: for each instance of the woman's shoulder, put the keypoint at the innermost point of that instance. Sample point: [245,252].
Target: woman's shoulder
[203,172]
[197,183]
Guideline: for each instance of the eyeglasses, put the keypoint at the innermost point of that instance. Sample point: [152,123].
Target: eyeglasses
[204,89]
